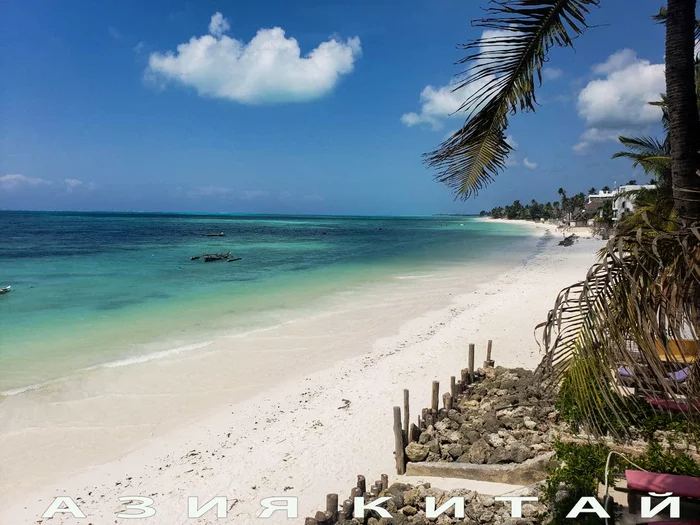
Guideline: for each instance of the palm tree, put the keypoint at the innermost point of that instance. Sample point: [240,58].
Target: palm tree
[682,107]
[645,292]
[508,68]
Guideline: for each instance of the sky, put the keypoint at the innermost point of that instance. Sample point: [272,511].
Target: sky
[321,107]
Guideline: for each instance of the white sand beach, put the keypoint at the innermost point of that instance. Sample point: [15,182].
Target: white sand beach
[303,422]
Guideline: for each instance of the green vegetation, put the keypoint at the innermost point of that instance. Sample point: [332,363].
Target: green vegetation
[566,207]
[580,468]
[578,471]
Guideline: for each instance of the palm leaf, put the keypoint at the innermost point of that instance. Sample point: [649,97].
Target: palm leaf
[502,69]
[653,156]
[640,297]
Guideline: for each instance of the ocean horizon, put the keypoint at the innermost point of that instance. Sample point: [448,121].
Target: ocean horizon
[106,289]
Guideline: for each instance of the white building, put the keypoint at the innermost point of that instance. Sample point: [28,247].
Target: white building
[625,197]
[622,197]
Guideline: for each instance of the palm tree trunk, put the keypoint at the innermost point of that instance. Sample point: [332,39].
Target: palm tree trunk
[682,108]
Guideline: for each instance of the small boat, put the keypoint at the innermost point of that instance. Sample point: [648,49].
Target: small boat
[209,257]
[220,234]
[5,289]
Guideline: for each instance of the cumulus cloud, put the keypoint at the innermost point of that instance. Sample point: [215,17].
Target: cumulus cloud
[528,164]
[15,181]
[618,103]
[268,69]
[437,104]
[218,25]
[442,102]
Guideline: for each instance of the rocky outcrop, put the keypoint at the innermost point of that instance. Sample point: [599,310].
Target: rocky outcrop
[503,418]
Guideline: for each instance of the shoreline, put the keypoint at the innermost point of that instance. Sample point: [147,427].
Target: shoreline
[304,415]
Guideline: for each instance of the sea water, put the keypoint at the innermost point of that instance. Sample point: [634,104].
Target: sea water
[107,289]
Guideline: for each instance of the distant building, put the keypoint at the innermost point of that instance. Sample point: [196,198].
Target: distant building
[622,198]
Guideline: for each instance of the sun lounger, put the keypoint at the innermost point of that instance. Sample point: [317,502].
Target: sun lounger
[674,380]
[640,483]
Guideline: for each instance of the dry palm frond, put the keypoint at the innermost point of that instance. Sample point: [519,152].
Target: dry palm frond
[635,304]
[502,68]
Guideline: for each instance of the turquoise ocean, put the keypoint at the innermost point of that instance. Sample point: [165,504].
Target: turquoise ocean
[100,289]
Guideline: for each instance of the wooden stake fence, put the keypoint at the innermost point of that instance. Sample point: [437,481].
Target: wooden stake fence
[405,433]
[335,514]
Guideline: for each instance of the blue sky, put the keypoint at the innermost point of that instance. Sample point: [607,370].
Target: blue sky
[101,110]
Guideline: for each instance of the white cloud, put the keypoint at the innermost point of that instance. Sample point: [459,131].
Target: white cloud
[581,147]
[619,102]
[616,62]
[551,73]
[511,142]
[72,184]
[138,47]
[218,25]
[15,180]
[440,103]
[267,69]
[528,164]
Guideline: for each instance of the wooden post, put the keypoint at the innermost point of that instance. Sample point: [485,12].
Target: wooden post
[447,401]
[321,518]
[465,377]
[429,421]
[405,414]
[413,433]
[362,484]
[489,363]
[385,482]
[453,387]
[460,387]
[398,443]
[471,363]
[332,506]
[310,521]
[436,396]
[355,493]
[346,511]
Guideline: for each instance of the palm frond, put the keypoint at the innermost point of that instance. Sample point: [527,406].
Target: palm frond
[635,304]
[501,69]
[651,155]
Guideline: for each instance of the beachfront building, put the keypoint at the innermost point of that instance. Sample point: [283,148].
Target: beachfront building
[622,199]
[625,197]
